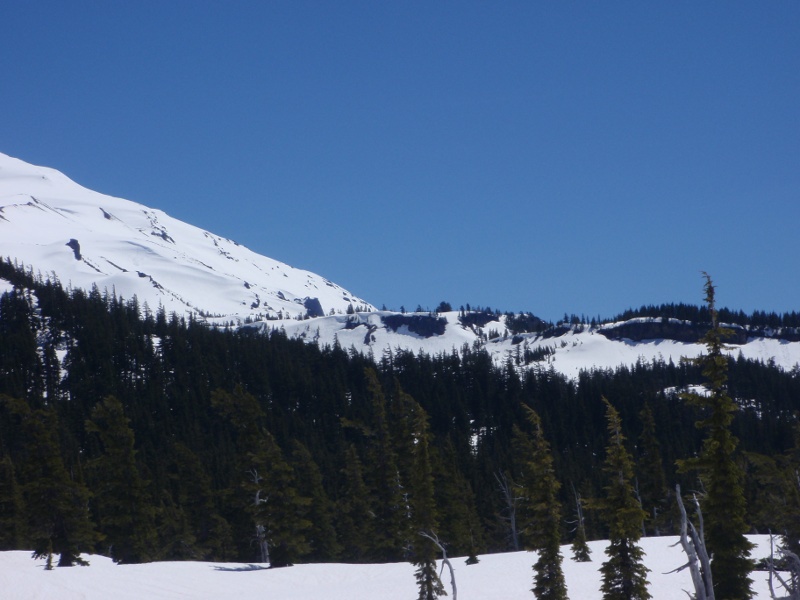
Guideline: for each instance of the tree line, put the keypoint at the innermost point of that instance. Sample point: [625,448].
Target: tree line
[702,314]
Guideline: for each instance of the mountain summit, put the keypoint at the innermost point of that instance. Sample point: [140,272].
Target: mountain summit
[83,238]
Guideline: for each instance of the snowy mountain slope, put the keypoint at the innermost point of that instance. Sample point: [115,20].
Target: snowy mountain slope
[55,226]
[567,350]
[507,576]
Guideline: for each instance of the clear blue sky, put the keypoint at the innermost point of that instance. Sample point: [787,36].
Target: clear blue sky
[578,157]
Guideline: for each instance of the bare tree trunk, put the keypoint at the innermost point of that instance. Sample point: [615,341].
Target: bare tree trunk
[772,571]
[580,549]
[263,545]
[793,567]
[699,540]
[261,531]
[695,548]
[579,508]
[794,571]
[512,501]
[639,500]
[656,529]
[445,561]
[49,566]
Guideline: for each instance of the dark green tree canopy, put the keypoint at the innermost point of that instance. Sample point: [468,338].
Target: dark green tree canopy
[203,402]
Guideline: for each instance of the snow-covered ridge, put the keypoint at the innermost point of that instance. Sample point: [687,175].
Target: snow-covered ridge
[83,238]
[566,349]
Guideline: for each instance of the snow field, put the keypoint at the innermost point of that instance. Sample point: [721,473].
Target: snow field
[496,577]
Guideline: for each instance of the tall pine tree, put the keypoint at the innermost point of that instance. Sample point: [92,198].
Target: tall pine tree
[122,506]
[459,522]
[209,532]
[355,517]
[268,483]
[383,476]
[12,524]
[56,501]
[541,509]
[624,575]
[580,547]
[650,472]
[724,506]
[423,508]
[283,510]
[320,513]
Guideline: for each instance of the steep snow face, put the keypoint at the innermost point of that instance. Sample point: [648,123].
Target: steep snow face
[84,238]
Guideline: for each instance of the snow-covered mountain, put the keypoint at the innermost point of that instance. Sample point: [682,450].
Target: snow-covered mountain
[57,228]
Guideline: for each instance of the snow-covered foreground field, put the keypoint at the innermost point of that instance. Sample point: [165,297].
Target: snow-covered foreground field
[498,576]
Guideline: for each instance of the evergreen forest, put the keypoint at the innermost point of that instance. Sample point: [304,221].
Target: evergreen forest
[145,436]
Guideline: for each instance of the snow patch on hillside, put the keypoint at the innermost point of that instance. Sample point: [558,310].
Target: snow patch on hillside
[569,353]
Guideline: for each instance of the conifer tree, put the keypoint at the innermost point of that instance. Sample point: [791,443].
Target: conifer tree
[580,547]
[193,493]
[277,509]
[790,517]
[356,519]
[321,533]
[12,525]
[650,471]
[541,510]
[176,537]
[123,508]
[401,420]
[423,509]
[624,575]
[723,504]
[776,479]
[283,510]
[19,361]
[56,503]
[391,531]
[459,524]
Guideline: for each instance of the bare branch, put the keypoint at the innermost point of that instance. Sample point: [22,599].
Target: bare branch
[445,561]
[694,547]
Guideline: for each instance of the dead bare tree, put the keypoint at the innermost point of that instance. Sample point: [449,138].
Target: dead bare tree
[580,549]
[509,491]
[261,531]
[445,561]
[694,545]
[791,564]
[639,500]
